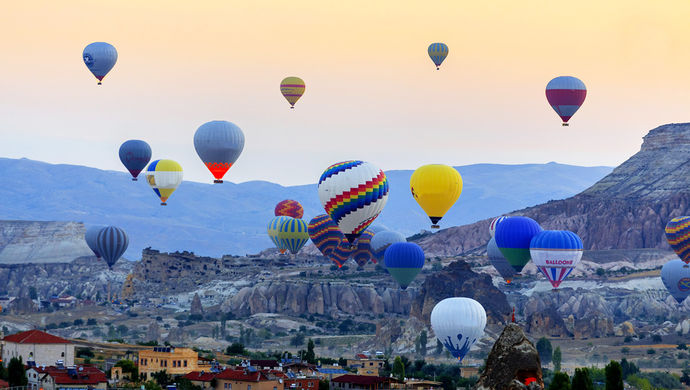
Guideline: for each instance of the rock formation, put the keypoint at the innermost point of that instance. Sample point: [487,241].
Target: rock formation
[23,242]
[153,332]
[513,363]
[196,309]
[458,280]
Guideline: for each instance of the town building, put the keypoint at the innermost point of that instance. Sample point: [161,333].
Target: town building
[301,383]
[248,379]
[364,382]
[4,384]
[37,348]
[414,384]
[329,372]
[366,365]
[66,378]
[175,361]
[202,379]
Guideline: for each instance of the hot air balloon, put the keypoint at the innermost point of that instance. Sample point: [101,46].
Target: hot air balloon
[135,155]
[289,207]
[438,52]
[566,94]
[293,234]
[99,57]
[382,240]
[324,233]
[676,277]
[458,323]
[377,227]
[342,252]
[353,194]
[164,176]
[292,89]
[404,260]
[362,253]
[91,238]
[436,188]
[492,225]
[556,253]
[513,237]
[218,144]
[274,232]
[499,261]
[678,236]
[112,242]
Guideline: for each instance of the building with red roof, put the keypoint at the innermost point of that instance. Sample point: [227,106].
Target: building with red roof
[4,384]
[38,348]
[365,382]
[66,378]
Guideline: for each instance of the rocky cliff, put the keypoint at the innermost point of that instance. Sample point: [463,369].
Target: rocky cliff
[24,242]
[626,209]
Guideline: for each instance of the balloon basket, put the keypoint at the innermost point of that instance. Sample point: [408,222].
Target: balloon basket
[435,226]
[437,68]
[565,124]
[217,181]
[163,204]
[292,107]
[134,179]
[99,83]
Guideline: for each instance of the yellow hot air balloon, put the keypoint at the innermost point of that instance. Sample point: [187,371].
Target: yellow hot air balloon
[292,89]
[164,176]
[436,187]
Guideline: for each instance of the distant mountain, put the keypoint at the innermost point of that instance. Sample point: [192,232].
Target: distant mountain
[627,209]
[231,218]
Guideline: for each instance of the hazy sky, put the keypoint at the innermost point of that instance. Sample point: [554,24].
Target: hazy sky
[372,91]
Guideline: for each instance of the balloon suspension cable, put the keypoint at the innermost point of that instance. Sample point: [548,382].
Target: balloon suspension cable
[565,124]
[217,181]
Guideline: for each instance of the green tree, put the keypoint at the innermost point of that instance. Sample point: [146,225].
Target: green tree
[186,384]
[557,359]
[3,371]
[235,349]
[297,339]
[582,380]
[128,367]
[639,383]
[16,374]
[342,362]
[310,356]
[686,376]
[439,347]
[151,385]
[545,350]
[422,343]
[324,385]
[614,376]
[33,294]
[162,378]
[628,368]
[398,368]
[560,381]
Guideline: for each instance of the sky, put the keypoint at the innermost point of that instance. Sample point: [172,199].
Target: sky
[372,93]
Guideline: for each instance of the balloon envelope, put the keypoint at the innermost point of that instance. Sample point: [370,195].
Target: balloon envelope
[218,144]
[135,155]
[404,260]
[112,243]
[382,240]
[438,52]
[513,237]
[436,188]
[678,236]
[353,194]
[164,176]
[293,234]
[362,253]
[99,57]
[91,238]
[458,323]
[274,232]
[292,89]
[556,253]
[494,223]
[676,277]
[342,252]
[289,207]
[565,95]
[324,233]
[499,261]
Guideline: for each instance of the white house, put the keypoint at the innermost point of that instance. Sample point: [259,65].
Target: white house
[41,348]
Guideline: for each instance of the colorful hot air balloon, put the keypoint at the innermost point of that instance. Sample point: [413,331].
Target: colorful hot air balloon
[135,155]
[676,277]
[353,194]
[363,253]
[556,253]
[289,207]
[678,236]
[293,234]
[492,225]
[404,260]
[324,233]
[438,52]
[292,89]
[99,57]
[499,261]
[164,176]
[458,323]
[112,243]
[274,232]
[382,240]
[436,188]
[566,94]
[342,252]
[513,236]
[218,144]
[91,238]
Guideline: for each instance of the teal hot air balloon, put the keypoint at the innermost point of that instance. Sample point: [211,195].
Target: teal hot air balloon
[404,260]
[219,144]
[438,52]
[91,238]
[513,237]
[112,243]
[135,155]
[99,57]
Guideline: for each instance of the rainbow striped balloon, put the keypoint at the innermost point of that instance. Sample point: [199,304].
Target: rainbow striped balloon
[678,236]
[353,193]
[363,252]
[289,207]
[324,233]
[342,252]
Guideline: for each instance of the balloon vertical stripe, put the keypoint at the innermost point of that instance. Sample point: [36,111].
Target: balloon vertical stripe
[112,243]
